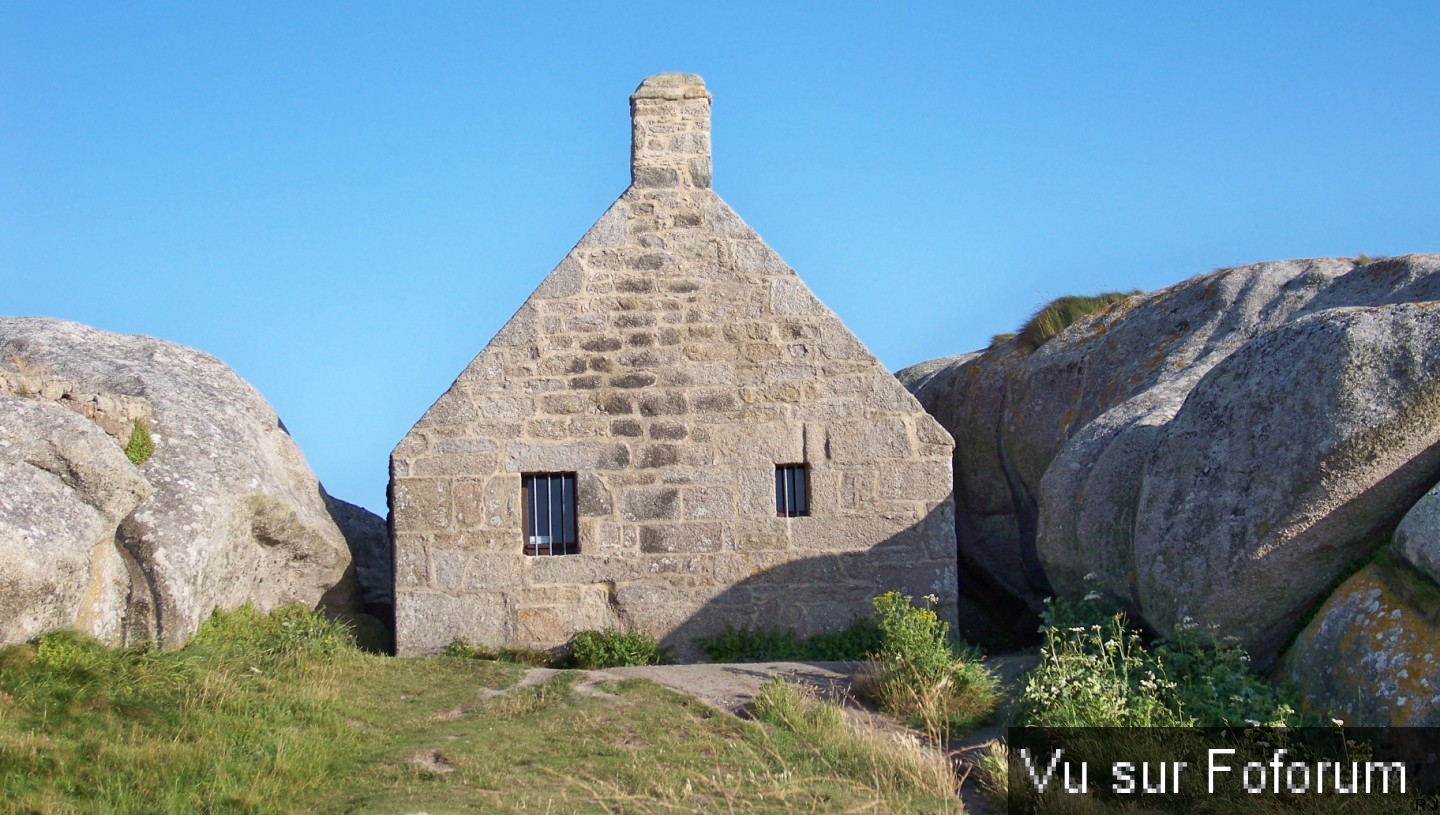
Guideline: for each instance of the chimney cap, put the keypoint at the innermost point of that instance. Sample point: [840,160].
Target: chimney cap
[672,86]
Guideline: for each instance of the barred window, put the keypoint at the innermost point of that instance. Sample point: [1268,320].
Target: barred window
[792,498]
[549,500]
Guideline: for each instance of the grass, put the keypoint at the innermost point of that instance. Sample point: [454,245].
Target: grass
[614,649]
[1055,316]
[279,713]
[914,672]
[853,643]
[898,767]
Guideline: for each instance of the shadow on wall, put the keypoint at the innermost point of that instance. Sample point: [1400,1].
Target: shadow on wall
[825,592]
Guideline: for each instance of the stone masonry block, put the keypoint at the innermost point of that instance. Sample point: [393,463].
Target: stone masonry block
[926,480]
[865,442]
[506,407]
[426,622]
[565,280]
[705,352]
[825,489]
[708,502]
[757,489]
[582,569]
[607,232]
[567,404]
[666,403]
[639,379]
[650,503]
[617,404]
[451,409]
[412,562]
[528,457]
[502,501]
[647,358]
[770,535]
[602,344]
[421,504]
[667,431]
[550,626]
[929,431]
[444,465]
[519,330]
[470,504]
[561,365]
[657,455]
[852,533]
[758,258]
[488,366]
[715,401]
[789,296]
[816,437]
[592,496]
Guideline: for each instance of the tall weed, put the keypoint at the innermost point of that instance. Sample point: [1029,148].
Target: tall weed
[919,675]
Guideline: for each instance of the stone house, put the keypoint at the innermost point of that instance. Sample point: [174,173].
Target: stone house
[672,434]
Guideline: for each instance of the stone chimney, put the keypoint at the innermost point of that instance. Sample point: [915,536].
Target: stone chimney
[670,120]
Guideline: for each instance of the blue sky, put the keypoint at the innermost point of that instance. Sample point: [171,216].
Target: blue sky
[344,201]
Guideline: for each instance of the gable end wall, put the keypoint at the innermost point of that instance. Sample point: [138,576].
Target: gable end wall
[671,360]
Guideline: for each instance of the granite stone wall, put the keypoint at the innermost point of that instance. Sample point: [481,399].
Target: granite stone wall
[671,361]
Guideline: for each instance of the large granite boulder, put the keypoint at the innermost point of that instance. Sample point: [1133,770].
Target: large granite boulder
[65,486]
[1369,655]
[1124,449]
[1290,460]
[225,511]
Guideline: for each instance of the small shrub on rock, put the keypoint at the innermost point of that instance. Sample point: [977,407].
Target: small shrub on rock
[140,447]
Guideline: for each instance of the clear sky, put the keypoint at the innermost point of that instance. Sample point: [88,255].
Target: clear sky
[345,201]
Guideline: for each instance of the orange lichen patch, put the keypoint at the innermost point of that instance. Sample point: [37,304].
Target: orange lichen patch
[1157,359]
[1380,653]
[1067,419]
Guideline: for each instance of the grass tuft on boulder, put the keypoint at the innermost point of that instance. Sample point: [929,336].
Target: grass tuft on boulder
[1055,316]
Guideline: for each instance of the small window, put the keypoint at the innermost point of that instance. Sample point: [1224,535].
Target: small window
[792,498]
[550,514]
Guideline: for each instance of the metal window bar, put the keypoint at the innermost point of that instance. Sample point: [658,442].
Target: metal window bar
[791,500]
[550,510]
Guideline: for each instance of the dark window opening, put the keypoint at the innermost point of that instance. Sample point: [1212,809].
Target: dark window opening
[550,514]
[792,498]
